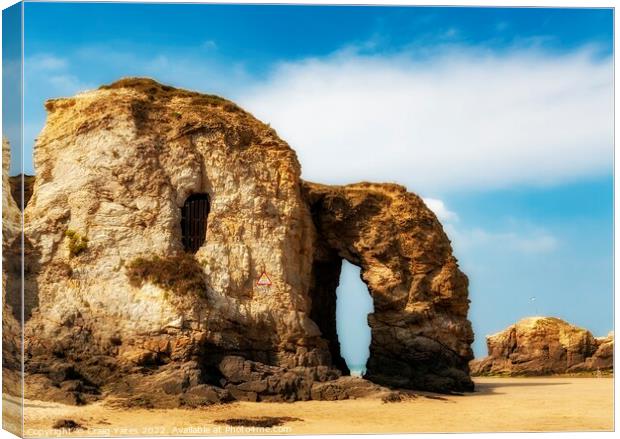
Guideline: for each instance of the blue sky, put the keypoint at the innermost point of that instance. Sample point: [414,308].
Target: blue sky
[12,81]
[501,118]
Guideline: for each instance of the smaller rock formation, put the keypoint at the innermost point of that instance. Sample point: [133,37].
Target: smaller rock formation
[543,346]
[603,357]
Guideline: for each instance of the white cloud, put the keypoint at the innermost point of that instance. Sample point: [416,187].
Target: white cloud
[542,243]
[51,73]
[66,85]
[453,119]
[461,119]
[524,240]
[439,208]
[46,76]
[45,62]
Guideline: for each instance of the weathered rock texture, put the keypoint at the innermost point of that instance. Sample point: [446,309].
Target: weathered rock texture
[105,313]
[420,333]
[544,345]
[603,357]
[11,216]
[11,281]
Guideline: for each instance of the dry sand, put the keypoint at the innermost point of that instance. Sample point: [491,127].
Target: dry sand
[498,405]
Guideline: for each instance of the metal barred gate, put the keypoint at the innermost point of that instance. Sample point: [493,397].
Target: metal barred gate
[194,221]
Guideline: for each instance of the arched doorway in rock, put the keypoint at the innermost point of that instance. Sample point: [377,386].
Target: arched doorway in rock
[194,214]
[347,333]
[353,304]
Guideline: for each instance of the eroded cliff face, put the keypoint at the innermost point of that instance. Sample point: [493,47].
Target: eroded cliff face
[119,306]
[11,280]
[543,346]
[11,216]
[114,168]
[420,333]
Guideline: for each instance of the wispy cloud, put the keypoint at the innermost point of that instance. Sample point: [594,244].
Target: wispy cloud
[460,120]
[439,208]
[52,73]
[45,62]
[522,238]
[48,75]
[525,240]
[456,119]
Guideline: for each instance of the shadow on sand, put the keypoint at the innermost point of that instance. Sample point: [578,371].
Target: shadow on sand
[492,388]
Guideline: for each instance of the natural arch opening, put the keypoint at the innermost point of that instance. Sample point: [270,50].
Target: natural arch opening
[353,304]
[340,306]
[194,214]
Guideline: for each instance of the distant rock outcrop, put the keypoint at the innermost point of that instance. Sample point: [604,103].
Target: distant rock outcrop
[543,346]
[603,357]
[177,257]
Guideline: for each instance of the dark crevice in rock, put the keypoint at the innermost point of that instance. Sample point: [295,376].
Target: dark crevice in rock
[16,188]
[326,277]
[12,261]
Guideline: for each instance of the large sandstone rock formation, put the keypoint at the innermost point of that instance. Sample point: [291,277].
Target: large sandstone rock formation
[544,345]
[114,304]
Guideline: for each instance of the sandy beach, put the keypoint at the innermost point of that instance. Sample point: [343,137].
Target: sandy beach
[498,405]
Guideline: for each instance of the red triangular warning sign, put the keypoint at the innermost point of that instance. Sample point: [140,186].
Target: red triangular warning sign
[263,280]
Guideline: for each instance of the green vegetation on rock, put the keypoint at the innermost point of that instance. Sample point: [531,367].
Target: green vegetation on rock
[76,242]
[181,274]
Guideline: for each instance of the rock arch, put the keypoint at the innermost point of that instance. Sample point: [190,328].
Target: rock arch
[95,320]
[420,333]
